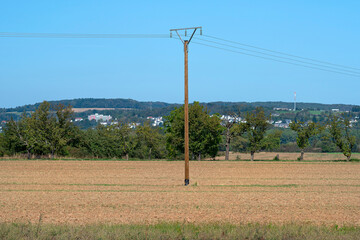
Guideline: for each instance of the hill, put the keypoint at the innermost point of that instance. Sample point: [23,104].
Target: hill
[119,103]
[132,109]
[95,103]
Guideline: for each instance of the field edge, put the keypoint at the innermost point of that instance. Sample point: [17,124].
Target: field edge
[177,230]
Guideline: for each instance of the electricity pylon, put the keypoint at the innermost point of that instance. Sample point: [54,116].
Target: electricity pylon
[186,101]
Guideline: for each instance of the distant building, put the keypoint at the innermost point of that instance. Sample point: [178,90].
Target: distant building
[79,119]
[230,118]
[282,124]
[155,121]
[98,117]
[133,125]
[282,109]
[335,110]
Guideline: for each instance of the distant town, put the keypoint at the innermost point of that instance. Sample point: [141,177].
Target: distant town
[91,112]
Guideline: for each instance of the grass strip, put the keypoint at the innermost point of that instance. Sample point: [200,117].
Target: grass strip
[177,231]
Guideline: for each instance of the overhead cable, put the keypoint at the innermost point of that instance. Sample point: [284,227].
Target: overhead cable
[78,35]
[277,60]
[282,53]
[276,56]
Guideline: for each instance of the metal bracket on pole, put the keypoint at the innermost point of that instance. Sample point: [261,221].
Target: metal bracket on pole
[185,31]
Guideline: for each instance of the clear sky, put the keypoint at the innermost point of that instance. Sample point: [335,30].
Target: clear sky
[34,69]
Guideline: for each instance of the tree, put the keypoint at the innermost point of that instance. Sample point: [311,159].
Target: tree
[127,140]
[232,129]
[53,130]
[340,131]
[41,133]
[304,132]
[256,124]
[2,144]
[204,132]
[21,135]
[113,141]
[229,134]
[355,109]
[61,128]
[149,142]
[272,140]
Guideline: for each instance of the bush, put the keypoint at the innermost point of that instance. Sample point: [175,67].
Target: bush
[80,152]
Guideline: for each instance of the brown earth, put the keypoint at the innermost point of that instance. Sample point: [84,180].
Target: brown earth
[147,192]
[79,110]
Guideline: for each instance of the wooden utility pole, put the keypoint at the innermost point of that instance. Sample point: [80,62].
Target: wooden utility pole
[186,112]
[186,101]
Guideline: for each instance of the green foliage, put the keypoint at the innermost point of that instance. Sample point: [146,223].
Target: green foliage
[115,141]
[340,131]
[204,132]
[272,140]
[2,145]
[355,109]
[41,133]
[255,126]
[288,136]
[21,136]
[53,130]
[304,132]
[239,144]
[231,129]
[48,131]
[150,143]
[326,142]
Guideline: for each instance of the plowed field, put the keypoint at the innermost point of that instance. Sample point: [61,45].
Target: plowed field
[147,192]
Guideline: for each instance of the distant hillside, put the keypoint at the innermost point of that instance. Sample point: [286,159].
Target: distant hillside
[132,109]
[290,105]
[96,103]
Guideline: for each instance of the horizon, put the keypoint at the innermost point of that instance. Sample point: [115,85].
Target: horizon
[170,103]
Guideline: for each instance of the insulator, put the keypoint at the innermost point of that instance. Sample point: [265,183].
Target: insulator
[185,33]
[170,34]
[200,31]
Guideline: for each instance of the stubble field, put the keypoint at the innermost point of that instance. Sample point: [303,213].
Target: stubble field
[86,192]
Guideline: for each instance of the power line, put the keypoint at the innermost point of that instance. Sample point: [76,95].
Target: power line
[80,35]
[286,54]
[309,65]
[286,58]
[277,60]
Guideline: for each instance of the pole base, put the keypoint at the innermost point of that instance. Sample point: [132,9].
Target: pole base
[187,181]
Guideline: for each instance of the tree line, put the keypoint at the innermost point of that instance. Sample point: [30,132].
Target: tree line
[49,132]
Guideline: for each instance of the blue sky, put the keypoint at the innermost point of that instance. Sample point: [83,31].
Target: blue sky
[33,69]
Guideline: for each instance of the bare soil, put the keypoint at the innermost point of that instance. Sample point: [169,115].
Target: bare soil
[79,110]
[148,192]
